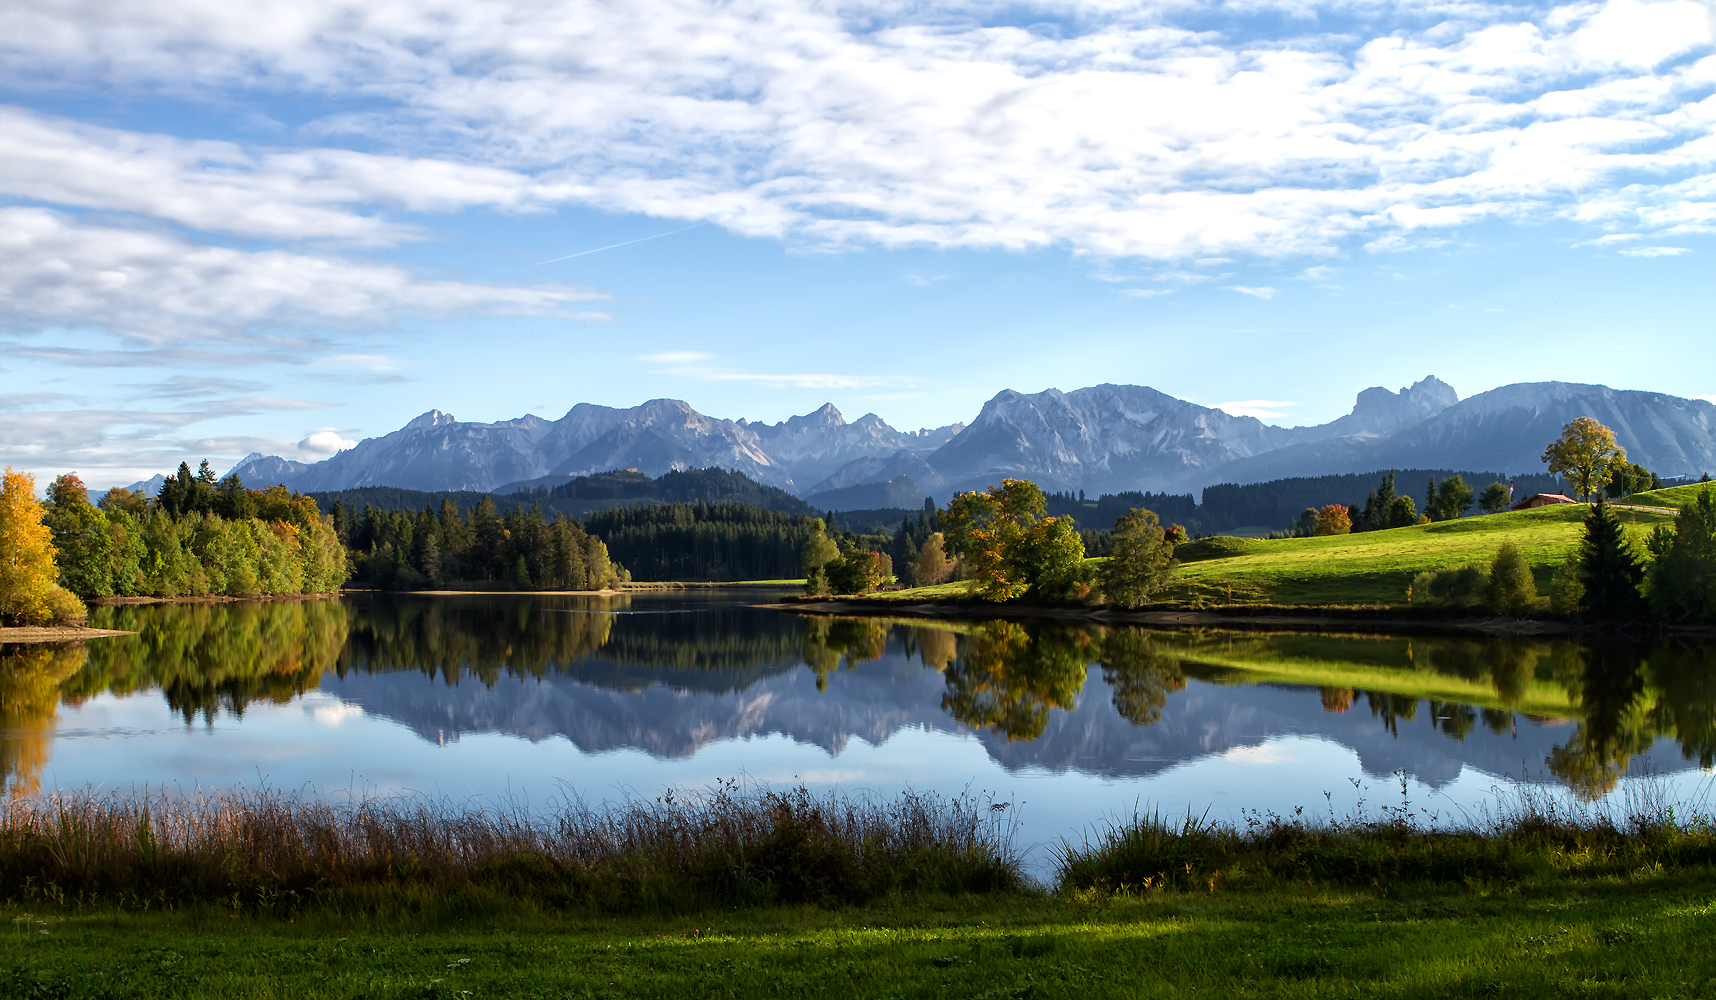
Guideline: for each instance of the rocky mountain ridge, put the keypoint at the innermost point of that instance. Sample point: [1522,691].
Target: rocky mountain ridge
[1104,438]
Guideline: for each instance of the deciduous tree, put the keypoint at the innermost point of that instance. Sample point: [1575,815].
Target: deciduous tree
[1584,453]
[1334,519]
[29,594]
[1140,560]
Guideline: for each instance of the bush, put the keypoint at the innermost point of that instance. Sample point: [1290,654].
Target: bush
[1461,587]
[64,607]
[1513,591]
[1568,586]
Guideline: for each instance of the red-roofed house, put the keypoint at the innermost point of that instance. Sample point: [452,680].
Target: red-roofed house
[1542,500]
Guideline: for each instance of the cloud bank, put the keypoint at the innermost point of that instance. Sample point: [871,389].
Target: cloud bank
[1162,130]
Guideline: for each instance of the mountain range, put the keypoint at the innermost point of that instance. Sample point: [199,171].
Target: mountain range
[1104,438]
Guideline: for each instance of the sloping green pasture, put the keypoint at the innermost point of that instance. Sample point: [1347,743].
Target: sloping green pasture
[1674,496]
[1376,567]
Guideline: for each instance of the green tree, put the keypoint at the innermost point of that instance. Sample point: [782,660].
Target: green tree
[1402,513]
[819,550]
[1378,507]
[82,544]
[1609,569]
[1495,498]
[1681,582]
[1628,478]
[1451,499]
[1513,591]
[1052,554]
[987,531]
[1584,453]
[1140,559]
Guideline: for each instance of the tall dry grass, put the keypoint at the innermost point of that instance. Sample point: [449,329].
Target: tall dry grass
[733,845]
[1535,831]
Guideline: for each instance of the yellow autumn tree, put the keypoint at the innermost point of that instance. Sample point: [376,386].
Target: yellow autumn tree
[1584,453]
[27,570]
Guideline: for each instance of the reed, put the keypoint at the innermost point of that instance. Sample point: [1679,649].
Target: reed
[732,845]
[1534,833]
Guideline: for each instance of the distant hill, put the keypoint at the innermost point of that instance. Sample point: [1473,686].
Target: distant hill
[584,495]
[897,492]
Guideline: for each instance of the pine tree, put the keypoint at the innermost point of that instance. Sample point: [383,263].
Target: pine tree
[1609,569]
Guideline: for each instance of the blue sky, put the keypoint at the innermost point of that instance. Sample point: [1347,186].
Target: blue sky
[230,227]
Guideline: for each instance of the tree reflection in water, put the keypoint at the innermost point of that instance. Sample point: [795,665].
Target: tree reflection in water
[1010,675]
[1001,677]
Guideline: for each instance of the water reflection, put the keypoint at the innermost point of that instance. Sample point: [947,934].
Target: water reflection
[673,675]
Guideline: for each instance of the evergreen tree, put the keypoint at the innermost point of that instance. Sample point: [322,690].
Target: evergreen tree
[1495,498]
[1682,579]
[1609,569]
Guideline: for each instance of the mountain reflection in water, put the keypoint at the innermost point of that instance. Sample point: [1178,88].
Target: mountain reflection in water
[672,674]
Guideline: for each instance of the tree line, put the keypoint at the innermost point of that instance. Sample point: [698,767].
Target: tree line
[199,536]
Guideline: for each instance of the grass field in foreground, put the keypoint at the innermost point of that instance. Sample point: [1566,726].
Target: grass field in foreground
[1646,935]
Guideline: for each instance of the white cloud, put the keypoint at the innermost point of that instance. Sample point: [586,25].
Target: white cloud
[1708,397]
[325,442]
[1262,292]
[898,125]
[676,357]
[1653,251]
[1262,409]
[154,290]
[1145,293]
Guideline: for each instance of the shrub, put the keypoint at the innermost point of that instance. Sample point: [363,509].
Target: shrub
[1461,587]
[1513,591]
[63,607]
[1568,586]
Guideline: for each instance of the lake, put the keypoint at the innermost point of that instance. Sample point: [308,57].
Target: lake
[535,698]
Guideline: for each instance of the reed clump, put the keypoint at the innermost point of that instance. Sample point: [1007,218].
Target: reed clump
[733,845]
[1534,835]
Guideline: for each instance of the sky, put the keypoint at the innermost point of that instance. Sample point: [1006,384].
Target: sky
[234,227]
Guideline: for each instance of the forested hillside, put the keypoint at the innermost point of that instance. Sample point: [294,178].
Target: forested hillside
[704,541]
[583,495]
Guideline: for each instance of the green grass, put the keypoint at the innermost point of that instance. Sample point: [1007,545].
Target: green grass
[1372,568]
[1674,496]
[1645,934]
[1375,567]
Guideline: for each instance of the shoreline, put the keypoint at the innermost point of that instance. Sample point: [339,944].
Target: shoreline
[39,634]
[1310,619]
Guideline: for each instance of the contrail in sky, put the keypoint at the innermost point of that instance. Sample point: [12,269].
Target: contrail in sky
[583,253]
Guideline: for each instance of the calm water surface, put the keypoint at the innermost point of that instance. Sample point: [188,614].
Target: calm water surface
[538,697]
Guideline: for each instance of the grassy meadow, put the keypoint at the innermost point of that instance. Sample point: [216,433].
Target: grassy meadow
[1371,568]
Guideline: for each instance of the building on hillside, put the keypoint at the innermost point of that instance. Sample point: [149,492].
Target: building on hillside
[1542,500]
